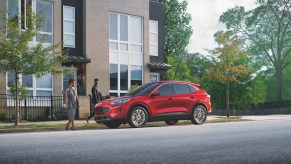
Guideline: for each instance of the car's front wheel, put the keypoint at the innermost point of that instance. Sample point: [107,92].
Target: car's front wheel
[138,117]
[199,115]
[171,122]
[112,125]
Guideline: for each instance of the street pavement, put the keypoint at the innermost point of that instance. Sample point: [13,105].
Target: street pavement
[266,141]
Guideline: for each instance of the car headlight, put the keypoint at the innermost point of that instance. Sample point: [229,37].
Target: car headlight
[120,101]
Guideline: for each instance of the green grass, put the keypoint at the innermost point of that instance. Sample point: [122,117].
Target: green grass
[230,117]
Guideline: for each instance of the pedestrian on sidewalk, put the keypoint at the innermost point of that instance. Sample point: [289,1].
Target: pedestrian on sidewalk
[72,103]
[96,97]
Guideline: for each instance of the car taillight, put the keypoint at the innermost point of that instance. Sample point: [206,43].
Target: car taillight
[208,96]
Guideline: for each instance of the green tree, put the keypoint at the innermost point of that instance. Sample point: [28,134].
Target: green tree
[18,57]
[197,65]
[267,30]
[177,36]
[227,67]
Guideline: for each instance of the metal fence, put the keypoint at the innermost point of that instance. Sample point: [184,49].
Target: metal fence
[33,108]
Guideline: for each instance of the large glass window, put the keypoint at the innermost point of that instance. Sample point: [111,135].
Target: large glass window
[113,76]
[69,26]
[46,31]
[154,46]
[136,29]
[36,86]
[113,26]
[12,8]
[124,77]
[125,33]
[21,8]
[136,75]
[123,28]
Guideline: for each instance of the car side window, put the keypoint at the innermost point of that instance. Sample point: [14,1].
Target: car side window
[192,88]
[182,89]
[165,89]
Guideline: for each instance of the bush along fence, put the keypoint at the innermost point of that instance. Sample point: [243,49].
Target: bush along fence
[33,108]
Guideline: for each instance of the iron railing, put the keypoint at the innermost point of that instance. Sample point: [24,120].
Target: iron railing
[33,108]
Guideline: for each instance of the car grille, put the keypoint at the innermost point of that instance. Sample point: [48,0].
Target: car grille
[102,110]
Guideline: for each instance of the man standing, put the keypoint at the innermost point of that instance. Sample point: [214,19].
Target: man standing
[96,97]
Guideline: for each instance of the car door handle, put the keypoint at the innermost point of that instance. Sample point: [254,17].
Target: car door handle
[170,98]
[192,97]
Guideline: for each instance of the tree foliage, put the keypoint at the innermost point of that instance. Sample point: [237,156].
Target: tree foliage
[227,65]
[267,30]
[18,56]
[228,57]
[177,33]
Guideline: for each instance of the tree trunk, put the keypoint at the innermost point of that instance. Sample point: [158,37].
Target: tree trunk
[16,99]
[227,98]
[279,82]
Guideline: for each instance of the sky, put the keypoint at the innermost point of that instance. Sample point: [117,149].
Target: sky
[205,15]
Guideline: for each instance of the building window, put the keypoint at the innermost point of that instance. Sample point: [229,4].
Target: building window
[154,46]
[155,77]
[22,7]
[35,86]
[69,26]
[136,75]
[46,32]
[113,77]
[12,9]
[123,76]
[125,33]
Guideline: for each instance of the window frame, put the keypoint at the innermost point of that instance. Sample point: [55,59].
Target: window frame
[74,27]
[129,42]
[156,33]
[34,87]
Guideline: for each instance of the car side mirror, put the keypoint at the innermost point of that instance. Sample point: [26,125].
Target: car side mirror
[156,93]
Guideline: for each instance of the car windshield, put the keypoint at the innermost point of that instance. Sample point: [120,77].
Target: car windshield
[142,90]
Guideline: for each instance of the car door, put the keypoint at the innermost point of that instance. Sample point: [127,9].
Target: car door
[163,102]
[182,100]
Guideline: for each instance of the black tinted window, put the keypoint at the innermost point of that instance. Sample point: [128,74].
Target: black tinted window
[165,89]
[192,89]
[182,89]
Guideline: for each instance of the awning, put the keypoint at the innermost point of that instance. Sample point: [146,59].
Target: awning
[157,65]
[78,59]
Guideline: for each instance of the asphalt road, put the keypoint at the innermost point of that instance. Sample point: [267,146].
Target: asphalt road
[233,142]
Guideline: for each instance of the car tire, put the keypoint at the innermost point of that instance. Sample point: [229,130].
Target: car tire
[112,125]
[138,117]
[199,115]
[171,122]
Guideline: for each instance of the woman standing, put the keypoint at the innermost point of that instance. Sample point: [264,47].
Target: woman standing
[71,103]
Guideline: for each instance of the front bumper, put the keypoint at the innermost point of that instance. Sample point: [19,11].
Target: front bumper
[110,113]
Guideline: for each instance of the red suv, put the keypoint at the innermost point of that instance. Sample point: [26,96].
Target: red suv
[167,101]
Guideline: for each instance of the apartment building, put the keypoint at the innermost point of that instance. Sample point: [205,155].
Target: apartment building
[118,41]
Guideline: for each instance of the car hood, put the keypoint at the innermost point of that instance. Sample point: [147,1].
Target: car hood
[108,101]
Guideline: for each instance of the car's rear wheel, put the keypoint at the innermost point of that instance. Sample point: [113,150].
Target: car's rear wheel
[138,117]
[199,115]
[112,125]
[171,122]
